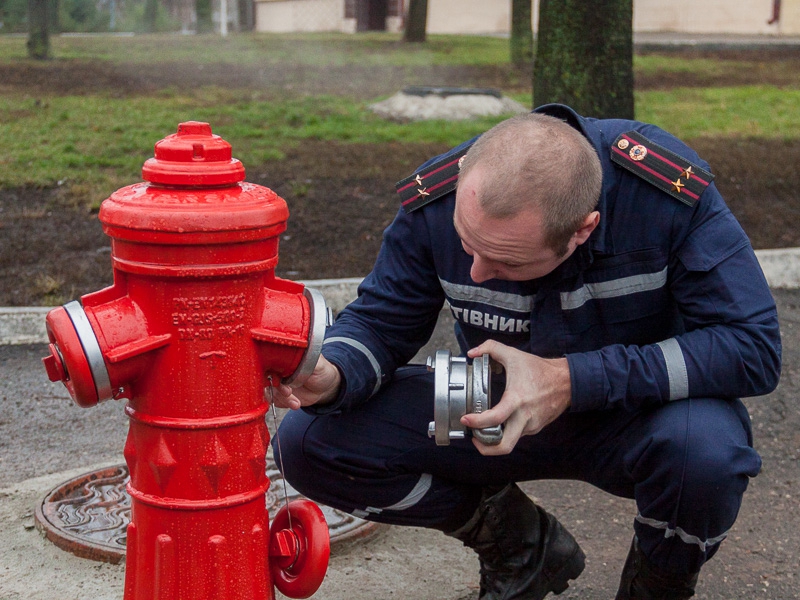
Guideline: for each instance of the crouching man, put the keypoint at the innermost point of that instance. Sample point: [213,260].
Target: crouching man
[597,262]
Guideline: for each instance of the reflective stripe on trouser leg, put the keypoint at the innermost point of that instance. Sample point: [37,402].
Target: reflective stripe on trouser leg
[695,464]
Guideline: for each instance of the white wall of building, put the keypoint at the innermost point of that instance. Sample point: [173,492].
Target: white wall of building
[705,16]
[685,16]
[494,16]
[469,16]
[790,17]
[302,15]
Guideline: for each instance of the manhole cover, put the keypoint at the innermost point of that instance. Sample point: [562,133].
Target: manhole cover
[89,515]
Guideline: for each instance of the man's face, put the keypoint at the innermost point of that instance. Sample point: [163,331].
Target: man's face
[511,248]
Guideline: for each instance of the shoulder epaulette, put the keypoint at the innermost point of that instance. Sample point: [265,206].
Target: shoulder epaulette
[663,168]
[430,183]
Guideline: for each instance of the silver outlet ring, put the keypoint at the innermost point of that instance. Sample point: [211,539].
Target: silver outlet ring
[316,335]
[91,349]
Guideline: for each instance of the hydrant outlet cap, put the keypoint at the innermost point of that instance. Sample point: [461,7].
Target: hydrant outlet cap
[193,157]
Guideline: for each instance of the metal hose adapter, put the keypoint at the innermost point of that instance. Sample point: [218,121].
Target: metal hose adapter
[461,388]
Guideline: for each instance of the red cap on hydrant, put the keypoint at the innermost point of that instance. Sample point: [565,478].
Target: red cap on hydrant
[193,157]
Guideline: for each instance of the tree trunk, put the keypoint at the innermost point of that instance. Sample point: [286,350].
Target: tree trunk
[202,9]
[584,56]
[521,33]
[38,29]
[246,17]
[417,21]
[150,14]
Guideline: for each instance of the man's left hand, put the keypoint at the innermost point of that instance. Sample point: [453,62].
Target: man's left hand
[538,391]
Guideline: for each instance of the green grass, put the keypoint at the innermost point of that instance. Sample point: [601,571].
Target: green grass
[749,111]
[98,143]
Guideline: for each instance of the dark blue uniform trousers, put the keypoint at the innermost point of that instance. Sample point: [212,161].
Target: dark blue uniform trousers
[686,463]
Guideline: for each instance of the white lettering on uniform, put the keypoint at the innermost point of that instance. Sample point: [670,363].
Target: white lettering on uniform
[491,322]
[506,324]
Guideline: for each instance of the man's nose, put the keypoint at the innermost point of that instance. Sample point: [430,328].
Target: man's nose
[481,271]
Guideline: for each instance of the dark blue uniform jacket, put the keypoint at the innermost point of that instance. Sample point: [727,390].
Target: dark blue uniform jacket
[664,301]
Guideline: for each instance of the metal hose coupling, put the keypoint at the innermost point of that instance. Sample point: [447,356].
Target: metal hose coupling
[321,318]
[461,388]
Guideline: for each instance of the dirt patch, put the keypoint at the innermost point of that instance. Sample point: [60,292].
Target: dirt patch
[341,198]
[80,77]
[776,66]
[779,66]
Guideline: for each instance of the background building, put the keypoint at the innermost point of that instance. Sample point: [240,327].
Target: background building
[493,17]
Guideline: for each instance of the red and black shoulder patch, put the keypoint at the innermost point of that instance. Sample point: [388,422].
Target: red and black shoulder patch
[430,183]
[663,168]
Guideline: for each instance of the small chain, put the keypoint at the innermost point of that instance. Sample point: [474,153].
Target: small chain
[280,453]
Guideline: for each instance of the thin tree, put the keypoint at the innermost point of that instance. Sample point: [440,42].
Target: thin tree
[416,21]
[521,33]
[38,29]
[150,15]
[246,16]
[202,10]
[584,56]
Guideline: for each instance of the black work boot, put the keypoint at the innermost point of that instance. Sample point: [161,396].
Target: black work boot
[641,580]
[524,552]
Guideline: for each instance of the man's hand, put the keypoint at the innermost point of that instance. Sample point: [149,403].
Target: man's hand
[538,390]
[322,386]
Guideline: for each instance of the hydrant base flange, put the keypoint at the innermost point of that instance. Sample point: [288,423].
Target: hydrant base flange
[88,515]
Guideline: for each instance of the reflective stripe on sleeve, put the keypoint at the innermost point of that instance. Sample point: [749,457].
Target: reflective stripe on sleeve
[613,288]
[676,369]
[362,348]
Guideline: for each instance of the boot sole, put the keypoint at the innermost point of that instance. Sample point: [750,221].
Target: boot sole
[571,570]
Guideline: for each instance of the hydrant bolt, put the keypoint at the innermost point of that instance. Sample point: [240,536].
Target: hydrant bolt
[285,548]
[54,365]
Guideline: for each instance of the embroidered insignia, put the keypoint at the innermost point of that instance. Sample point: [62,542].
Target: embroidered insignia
[430,183]
[661,167]
[638,152]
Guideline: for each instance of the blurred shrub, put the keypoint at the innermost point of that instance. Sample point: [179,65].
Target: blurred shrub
[86,16]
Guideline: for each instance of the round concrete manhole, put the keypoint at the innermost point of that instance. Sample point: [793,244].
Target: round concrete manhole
[89,515]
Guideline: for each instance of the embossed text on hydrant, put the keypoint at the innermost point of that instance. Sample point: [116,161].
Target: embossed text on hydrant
[209,317]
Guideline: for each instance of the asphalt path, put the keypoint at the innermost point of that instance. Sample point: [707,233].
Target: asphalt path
[46,440]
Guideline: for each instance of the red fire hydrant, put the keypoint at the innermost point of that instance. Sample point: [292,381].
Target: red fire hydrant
[194,329]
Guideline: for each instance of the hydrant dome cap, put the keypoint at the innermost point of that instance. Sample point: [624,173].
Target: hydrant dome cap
[193,156]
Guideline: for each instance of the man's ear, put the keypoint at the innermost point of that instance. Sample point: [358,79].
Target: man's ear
[587,227]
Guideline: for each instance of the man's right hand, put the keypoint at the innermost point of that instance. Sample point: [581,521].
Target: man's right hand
[322,386]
